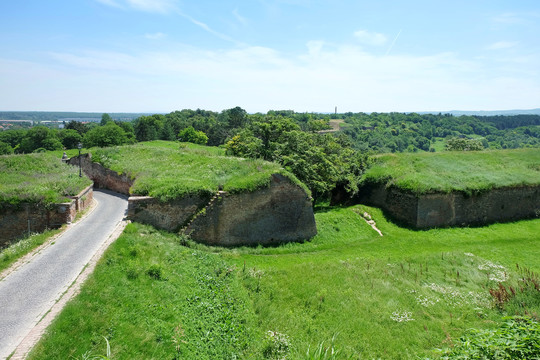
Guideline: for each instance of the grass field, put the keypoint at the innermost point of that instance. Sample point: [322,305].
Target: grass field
[467,171]
[38,178]
[348,290]
[168,170]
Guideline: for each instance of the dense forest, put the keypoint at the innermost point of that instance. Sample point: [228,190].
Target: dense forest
[301,142]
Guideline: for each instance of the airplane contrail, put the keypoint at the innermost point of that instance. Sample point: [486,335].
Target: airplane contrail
[393,42]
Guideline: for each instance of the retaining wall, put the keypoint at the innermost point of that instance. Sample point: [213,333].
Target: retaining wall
[101,176]
[280,213]
[18,221]
[456,208]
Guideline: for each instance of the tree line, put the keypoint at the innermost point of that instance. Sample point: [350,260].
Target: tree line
[321,160]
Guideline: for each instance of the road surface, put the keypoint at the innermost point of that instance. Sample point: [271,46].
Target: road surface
[30,291]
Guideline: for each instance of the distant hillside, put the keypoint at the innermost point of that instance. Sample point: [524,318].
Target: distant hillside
[63,115]
[487,113]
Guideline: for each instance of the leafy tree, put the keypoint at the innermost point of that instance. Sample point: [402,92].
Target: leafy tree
[13,137]
[5,148]
[105,119]
[167,132]
[148,128]
[191,135]
[70,138]
[40,137]
[462,144]
[78,126]
[108,135]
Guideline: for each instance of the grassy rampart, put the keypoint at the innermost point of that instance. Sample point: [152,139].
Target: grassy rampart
[169,170]
[38,178]
[468,172]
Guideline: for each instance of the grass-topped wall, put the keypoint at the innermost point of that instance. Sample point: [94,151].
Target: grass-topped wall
[38,191]
[172,170]
[455,188]
[467,172]
[38,178]
[217,199]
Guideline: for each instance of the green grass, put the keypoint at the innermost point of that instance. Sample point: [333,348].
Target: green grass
[348,289]
[468,172]
[152,298]
[169,170]
[38,178]
[22,247]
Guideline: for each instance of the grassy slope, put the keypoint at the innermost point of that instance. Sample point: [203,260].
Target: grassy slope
[347,283]
[457,171]
[168,170]
[38,178]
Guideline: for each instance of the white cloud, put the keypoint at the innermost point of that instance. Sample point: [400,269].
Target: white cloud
[153,6]
[500,45]
[509,18]
[261,78]
[242,20]
[370,38]
[155,36]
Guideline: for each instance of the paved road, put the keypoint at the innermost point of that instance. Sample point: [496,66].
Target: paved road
[29,292]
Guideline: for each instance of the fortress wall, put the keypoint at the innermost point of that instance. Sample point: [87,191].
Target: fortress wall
[454,209]
[18,221]
[280,213]
[101,176]
[170,216]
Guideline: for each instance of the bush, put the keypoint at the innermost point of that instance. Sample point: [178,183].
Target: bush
[517,338]
[191,135]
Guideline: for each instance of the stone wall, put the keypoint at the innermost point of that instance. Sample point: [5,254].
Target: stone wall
[454,209]
[18,221]
[170,216]
[101,176]
[280,213]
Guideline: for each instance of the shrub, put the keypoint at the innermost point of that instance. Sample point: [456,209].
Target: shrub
[517,338]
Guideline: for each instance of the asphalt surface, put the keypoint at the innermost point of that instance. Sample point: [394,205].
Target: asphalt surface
[30,291]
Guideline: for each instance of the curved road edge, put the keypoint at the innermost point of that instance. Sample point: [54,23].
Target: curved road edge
[34,335]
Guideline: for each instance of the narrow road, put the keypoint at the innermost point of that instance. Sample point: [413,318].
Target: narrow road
[30,291]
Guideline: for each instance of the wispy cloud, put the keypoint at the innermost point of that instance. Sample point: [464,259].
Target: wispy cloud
[317,80]
[208,29]
[242,20]
[509,18]
[370,38]
[152,6]
[500,45]
[155,36]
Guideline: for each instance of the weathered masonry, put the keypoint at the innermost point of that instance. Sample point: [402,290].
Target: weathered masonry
[19,220]
[281,212]
[455,208]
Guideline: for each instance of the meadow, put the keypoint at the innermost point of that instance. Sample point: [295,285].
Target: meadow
[38,178]
[466,171]
[168,170]
[349,293]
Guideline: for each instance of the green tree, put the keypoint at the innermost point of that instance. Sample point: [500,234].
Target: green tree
[148,128]
[70,138]
[462,144]
[40,137]
[108,135]
[5,148]
[78,126]
[105,119]
[191,135]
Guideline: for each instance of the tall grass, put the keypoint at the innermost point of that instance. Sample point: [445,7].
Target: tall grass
[466,171]
[38,178]
[348,293]
[168,170]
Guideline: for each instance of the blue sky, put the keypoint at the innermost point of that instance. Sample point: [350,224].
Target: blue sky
[303,55]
